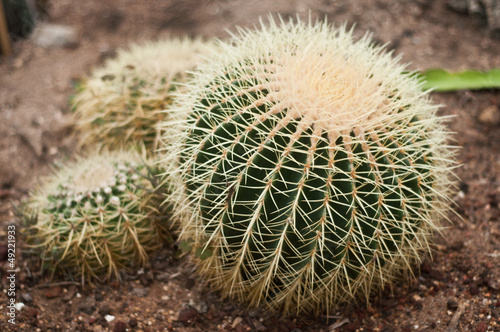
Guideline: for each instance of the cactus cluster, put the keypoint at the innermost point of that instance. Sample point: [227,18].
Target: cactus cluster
[98,216]
[121,103]
[313,171]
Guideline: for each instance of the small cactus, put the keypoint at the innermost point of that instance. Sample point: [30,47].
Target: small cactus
[121,102]
[97,216]
[315,170]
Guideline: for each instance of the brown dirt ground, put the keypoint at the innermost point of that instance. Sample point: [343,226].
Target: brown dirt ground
[461,281]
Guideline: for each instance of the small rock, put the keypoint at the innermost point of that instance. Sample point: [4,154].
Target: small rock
[457,245]
[351,327]
[87,306]
[53,292]
[464,187]
[436,275]
[253,312]
[105,310]
[109,318]
[55,36]
[482,327]
[452,305]
[200,306]
[27,297]
[492,284]
[69,294]
[163,277]
[120,326]
[258,325]
[417,298]
[489,116]
[140,291]
[473,289]
[187,314]
[425,267]
[32,312]
[145,279]
[132,322]
[32,137]
[98,297]
[236,321]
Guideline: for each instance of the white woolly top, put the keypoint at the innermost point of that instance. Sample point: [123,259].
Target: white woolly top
[318,73]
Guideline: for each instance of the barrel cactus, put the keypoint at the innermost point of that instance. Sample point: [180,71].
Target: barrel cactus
[121,102]
[97,217]
[315,169]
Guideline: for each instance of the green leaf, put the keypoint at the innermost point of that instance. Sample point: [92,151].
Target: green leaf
[442,80]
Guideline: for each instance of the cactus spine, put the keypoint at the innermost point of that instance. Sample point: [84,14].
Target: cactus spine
[315,170]
[97,216]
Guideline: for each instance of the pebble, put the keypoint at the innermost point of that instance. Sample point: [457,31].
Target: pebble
[436,275]
[32,312]
[187,314]
[120,326]
[53,292]
[452,305]
[236,321]
[55,36]
[474,290]
[132,322]
[87,306]
[109,318]
[489,116]
[425,267]
[98,297]
[140,291]
[200,306]
[492,284]
[68,295]
[105,310]
[27,297]
[482,327]
[258,326]
[457,245]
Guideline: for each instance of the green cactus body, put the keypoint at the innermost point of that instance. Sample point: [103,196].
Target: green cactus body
[97,217]
[315,171]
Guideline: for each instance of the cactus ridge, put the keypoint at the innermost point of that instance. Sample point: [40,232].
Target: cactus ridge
[315,171]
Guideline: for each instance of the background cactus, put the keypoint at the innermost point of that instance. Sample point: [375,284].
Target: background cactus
[121,102]
[97,216]
[315,170]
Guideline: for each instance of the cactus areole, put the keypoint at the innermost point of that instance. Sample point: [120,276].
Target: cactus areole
[315,170]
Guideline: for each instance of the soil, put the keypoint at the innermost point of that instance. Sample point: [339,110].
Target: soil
[458,289]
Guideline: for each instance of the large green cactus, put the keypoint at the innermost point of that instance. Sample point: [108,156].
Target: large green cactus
[315,170]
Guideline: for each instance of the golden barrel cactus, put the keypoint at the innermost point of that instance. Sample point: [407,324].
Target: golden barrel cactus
[312,169]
